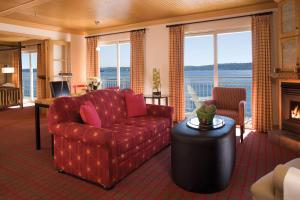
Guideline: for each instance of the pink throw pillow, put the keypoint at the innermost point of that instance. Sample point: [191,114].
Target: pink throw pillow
[89,115]
[135,104]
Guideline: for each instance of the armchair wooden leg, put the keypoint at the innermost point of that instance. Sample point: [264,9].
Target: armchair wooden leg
[242,132]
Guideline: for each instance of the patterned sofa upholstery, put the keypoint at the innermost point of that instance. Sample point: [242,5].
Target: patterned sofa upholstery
[108,154]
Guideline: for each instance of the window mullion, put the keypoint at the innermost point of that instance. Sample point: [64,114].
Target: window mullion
[31,77]
[216,75]
[118,65]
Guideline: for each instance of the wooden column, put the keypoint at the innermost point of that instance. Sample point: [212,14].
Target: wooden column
[20,74]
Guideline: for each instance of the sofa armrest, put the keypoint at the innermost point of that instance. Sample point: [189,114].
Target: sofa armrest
[160,111]
[85,133]
[278,177]
[242,106]
[210,102]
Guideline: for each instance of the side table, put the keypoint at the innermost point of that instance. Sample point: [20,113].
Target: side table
[203,160]
[159,98]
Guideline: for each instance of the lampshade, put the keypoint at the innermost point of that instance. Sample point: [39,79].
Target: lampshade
[8,70]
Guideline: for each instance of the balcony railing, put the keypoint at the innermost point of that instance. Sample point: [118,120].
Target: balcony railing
[202,87]
[124,83]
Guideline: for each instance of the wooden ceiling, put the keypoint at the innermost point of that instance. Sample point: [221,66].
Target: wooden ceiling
[80,15]
[13,37]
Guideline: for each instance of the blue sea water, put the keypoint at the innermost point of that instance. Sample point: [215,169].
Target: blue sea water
[202,82]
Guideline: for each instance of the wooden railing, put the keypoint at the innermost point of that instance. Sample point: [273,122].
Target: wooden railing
[9,96]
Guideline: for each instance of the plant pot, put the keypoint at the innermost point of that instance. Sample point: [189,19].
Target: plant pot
[156,93]
[205,118]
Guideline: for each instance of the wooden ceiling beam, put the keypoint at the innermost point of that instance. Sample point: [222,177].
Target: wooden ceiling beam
[21,7]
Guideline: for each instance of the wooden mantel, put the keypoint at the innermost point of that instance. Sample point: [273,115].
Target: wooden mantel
[285,75]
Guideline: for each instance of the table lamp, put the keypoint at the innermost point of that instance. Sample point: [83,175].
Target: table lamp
[7,70]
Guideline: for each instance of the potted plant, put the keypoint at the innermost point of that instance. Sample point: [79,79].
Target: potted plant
[93,83]
[156,82]
[206,114]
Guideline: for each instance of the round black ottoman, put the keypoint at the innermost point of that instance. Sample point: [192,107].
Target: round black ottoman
[203,161]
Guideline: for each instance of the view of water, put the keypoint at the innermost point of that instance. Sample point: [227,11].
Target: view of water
[26,82]
[201,82]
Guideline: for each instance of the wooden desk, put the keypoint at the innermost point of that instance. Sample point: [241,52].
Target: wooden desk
[40,103]
[159,98]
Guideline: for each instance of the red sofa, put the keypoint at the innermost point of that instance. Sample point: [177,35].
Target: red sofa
[108,154]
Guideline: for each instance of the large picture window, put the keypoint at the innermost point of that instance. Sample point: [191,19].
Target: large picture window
[115,64]
[217,59]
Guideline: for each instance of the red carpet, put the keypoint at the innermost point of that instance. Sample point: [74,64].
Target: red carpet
[28,174]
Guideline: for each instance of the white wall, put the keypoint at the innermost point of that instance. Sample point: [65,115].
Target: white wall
[78,59]
[157,55]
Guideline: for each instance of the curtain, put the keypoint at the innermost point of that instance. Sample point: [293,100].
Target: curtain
[93,68]
[137,61]
[261,83]
[41,70]
[176,71]
[15,62]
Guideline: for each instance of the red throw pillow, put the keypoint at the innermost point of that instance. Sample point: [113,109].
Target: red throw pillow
[135,104]
[89,115]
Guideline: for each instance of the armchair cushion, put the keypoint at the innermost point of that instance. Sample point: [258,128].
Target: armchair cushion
[228,98]
[229,113]
[210,102]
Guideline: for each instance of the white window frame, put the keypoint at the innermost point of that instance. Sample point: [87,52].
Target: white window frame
[30,52]
[118,43]
[215,45]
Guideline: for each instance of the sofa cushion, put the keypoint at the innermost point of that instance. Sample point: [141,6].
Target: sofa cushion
[229,113]
[110,106]
[89,115]
[128,137]
[151,123]
[135,105]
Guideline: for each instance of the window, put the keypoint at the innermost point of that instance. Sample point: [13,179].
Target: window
[218,59]
[115,64]
[198,68]
[29,74]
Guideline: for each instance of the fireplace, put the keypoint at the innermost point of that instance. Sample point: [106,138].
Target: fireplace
[290,106]
[295,110]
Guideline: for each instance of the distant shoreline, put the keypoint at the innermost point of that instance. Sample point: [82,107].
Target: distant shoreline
[227,66]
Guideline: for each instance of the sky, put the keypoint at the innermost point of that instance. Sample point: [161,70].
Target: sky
[25,60]
[232,48]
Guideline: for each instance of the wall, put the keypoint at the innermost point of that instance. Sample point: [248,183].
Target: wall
[77,46]
[78,59]
[5,58]
[275,64]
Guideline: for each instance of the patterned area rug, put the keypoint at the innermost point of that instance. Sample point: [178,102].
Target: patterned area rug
[29,174]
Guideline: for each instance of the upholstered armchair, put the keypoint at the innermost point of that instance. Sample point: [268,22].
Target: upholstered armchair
[230,102]
[271,185]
